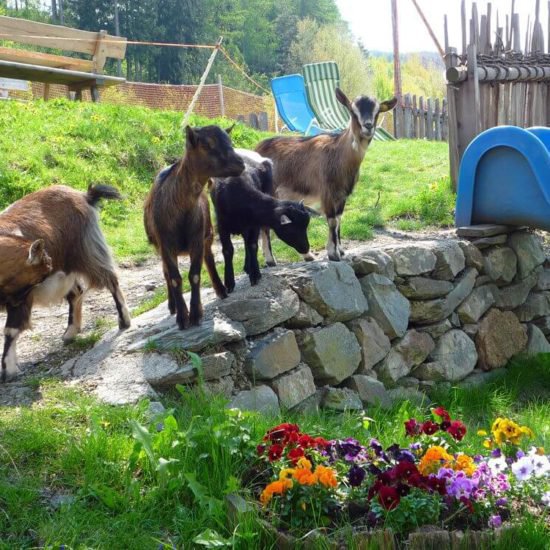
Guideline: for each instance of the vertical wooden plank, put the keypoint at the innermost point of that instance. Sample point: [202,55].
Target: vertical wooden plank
[444,121]
[407,116]
[483,38]
[421,118]
[463,23]
[430,120]
[437,119]
[46,91]
[488,23]
[475,19]
[415,117]
[451,60]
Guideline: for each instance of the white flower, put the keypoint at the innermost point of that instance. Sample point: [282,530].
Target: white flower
[541,465]
[497,465]
[523,468]
[546,498]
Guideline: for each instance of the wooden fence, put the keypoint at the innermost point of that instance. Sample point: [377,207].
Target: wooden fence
[421,119]
[493,81]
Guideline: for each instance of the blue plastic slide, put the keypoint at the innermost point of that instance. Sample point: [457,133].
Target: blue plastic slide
[505,178]
[290,96]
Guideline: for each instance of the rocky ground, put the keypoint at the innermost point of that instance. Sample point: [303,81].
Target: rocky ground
[41,351]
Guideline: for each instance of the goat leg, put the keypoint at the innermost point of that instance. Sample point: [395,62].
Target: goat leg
[251,246]
[332,242]
[170,292]
[217,284]
[227,250]
[266,248]
[196,256]
[18,319]
[124,320]
[170,266]
[74,298]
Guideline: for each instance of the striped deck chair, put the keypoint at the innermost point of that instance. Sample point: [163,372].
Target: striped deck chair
[321,80]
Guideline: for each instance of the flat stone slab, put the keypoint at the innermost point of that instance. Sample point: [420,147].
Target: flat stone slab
[261,399]
[294,387]
[272,355]
[387,305]
[483,230]
[374,344]
[331,288]
[365,260]
[332,353]
[261,307]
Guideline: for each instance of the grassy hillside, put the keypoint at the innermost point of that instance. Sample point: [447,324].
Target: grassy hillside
[78,144]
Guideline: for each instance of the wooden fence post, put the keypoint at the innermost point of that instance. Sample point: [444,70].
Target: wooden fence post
[437,116]
[407,117]
[429,120]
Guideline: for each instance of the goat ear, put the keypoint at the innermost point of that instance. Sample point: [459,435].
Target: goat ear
[36,252]
[191,136]
[388,105]
[285,220]
[312,211]
[230,129]
[343,99]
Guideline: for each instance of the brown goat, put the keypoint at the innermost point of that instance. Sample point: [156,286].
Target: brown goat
[324,168]
[67,221]
[24,265]
[177,216]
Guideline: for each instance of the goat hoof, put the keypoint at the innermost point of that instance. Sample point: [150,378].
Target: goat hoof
[309,257]
[195,320]
[171,309]
[342,252]
[271,264]
[70,334]
[334,257]
[123,324]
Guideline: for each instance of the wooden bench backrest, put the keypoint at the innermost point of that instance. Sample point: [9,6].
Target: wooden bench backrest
[99,45]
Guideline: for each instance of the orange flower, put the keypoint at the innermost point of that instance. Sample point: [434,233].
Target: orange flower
[275,488]
[465,463]
[434,458]
[304,476]
[303,462]
[327,476]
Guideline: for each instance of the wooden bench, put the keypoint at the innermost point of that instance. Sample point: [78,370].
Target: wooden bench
[74,72]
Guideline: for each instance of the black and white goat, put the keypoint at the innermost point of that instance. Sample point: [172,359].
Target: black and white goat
[244,206]
[324,168]
[63,225]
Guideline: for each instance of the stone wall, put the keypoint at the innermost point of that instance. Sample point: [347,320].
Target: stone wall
[387,324]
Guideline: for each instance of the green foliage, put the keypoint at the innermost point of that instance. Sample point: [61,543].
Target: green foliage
[415,509]
[115,466]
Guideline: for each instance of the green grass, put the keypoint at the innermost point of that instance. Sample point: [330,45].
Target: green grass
[73,446]
[79,144]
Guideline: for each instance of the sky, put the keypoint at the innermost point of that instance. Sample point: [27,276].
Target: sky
[370,20]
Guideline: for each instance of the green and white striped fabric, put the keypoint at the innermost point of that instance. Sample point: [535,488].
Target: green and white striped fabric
[321,81]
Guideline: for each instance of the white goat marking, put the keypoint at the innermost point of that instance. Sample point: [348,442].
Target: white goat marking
[253,156]
[53,289]
[10,359]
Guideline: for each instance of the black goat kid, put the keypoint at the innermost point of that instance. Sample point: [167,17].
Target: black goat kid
[244,206]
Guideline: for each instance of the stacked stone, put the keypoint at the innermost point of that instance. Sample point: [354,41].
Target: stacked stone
[387,324]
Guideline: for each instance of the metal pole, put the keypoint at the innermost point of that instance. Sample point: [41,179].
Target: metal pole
[396,65]
[201,83]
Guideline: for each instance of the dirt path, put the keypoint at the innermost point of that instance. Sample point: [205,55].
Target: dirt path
[41,351]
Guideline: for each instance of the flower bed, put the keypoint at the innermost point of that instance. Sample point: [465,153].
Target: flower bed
[315,484]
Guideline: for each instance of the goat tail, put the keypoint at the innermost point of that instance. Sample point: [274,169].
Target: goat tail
[97,192]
